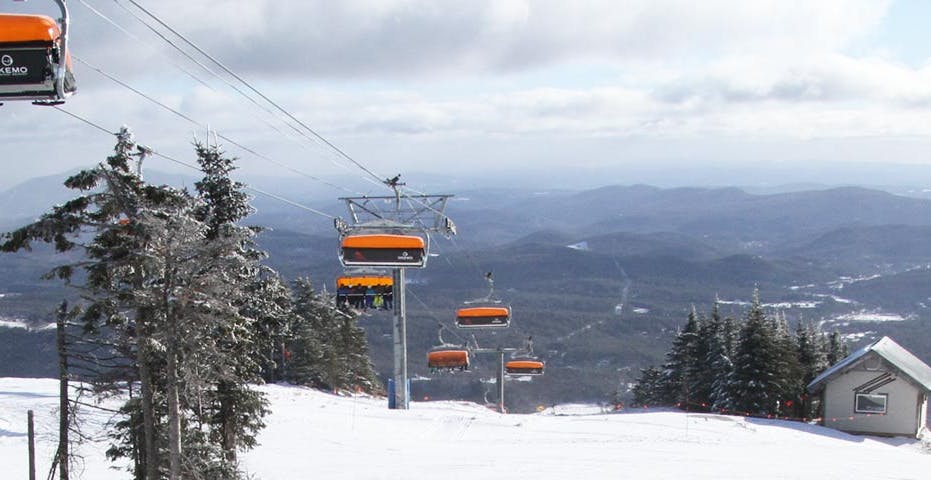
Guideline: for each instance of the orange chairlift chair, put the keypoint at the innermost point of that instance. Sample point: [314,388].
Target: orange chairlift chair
[351,288]
[447,357]
[383,250]
[484,312]
[523,362]
[35,63]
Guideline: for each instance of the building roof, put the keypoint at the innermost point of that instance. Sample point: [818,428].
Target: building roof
[892,352]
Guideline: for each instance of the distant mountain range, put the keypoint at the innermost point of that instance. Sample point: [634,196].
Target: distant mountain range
[601,277]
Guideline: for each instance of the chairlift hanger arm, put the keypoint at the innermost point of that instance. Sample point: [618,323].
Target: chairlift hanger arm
[63,56]
[439,335]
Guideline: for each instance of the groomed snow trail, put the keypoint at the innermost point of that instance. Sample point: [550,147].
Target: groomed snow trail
[312,434]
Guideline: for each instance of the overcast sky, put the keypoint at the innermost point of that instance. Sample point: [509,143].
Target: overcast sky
[473,85]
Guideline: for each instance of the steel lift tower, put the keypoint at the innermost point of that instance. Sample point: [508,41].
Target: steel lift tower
[393,232]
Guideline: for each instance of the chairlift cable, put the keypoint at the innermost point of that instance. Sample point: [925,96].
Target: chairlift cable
[202,125]
[468,256]
[140,40]
[257,92]
[179,162]
[318,137]
[426,308]
[430,314]
[166,39]
[254,189]
[216,75]
[82,119]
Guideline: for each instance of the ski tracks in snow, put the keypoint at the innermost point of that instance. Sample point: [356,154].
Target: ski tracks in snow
[450,427]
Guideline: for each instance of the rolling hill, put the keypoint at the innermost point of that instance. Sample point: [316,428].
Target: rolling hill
[602,278]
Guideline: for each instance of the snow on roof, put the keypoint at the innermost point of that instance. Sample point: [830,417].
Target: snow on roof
[892,352]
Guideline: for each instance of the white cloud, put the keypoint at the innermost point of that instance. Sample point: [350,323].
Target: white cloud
[402,38]
[373,75]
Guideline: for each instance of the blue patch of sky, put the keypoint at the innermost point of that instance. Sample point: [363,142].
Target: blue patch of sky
[903,34]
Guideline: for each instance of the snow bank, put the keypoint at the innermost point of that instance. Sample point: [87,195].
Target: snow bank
[6,322]
[865,316]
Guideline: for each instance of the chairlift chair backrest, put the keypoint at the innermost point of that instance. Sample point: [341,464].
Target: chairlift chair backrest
[483,317]
[383,250]
[448,357]
[362,290]
[364,281]
[524,366]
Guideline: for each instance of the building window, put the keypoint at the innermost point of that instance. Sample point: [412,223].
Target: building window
[871,403]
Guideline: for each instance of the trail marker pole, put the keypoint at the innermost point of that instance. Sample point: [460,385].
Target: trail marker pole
[30,428]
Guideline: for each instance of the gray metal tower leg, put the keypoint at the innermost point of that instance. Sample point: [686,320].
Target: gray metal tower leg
[400,342]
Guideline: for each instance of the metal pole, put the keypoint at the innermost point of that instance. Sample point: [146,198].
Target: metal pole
[32,445]
[400,341]
[500,380]
[60,72]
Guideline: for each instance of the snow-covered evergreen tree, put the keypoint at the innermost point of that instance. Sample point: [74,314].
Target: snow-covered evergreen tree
[707,349]
[313,358]
[789,381]
[648,387]
[328,349]
[235,409]
[678,371]
[756,383]
[720,339]
[812,359]
[166,293]
[835,348]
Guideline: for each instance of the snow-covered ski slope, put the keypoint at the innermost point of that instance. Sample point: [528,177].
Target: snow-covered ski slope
[312,434]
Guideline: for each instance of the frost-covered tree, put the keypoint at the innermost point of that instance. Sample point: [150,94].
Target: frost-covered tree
[166,293]
[328,349]
[647,390]
[709,348]
[789,382]
[719,338]
[812,360]
[235,410]
[835,348]
[313,358]
[353,348]
[756,366]
[271,308]
[98,224]
[756,380]
[678,372]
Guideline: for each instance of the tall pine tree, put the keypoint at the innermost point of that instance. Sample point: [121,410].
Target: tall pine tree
[756,379]
[679,370]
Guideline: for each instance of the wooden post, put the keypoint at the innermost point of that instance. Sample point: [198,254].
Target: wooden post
[500,380]
[32,445]
[64,412]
